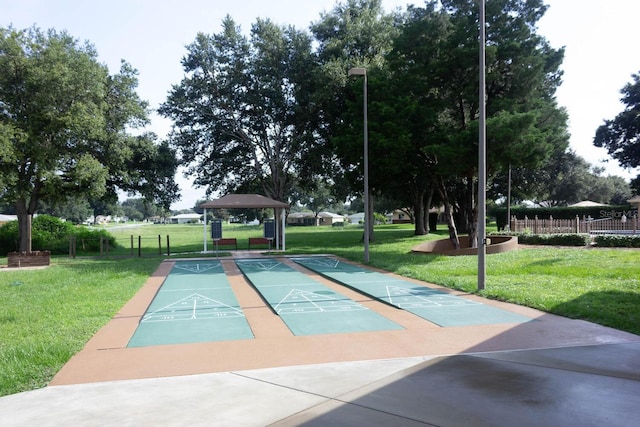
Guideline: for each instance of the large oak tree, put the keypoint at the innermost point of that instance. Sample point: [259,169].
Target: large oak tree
[621,135]
[524,124]
[242,113]
[64,123]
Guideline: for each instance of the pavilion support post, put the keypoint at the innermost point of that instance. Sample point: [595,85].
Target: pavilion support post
[282,215]
[204,250]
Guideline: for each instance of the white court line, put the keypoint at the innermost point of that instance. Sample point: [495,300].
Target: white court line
[333,263]
[319,303]
[198,268]
[439,299]
[262,265]
[195,289]
[288,285]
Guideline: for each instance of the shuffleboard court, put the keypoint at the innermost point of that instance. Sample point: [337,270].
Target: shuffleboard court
[194,304]
[435,306]
[305,305]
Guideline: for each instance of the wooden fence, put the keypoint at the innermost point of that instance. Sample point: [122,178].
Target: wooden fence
[577,225]
[105,249]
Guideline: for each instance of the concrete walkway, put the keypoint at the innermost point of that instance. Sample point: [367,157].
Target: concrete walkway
[575,386]
[550,371]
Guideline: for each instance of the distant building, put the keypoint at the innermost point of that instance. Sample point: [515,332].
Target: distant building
[308,218]
[400,217]
[7,218]
[185,219]
[356,218]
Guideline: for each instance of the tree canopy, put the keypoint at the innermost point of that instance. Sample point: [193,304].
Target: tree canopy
[63,124]
[621,135]
[424,108]
[242,113]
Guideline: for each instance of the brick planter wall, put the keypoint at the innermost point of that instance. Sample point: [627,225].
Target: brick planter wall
[29,259]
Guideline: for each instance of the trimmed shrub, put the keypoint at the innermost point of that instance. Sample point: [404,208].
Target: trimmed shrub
[550,239]
[52,234]
[617,241]
[8,237]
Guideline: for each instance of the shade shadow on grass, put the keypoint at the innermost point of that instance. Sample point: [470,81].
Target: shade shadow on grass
[616,309]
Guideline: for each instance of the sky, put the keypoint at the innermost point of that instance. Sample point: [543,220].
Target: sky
[599,37]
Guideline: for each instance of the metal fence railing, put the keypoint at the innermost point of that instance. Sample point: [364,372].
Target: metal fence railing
[622,225]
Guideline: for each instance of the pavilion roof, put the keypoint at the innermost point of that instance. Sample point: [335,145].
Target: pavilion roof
[240,201]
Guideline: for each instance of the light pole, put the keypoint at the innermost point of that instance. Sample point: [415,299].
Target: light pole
[359,71]
[482,158]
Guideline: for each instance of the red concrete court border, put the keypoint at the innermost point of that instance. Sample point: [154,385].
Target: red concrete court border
[105,357]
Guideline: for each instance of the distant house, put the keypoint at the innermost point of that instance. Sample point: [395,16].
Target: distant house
[328,218]
[7,218]
[356,218]
[400,217]
[185,219]
[102,219]
[308,218]
[301,218]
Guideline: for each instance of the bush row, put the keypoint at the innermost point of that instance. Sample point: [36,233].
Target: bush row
[611,241]
[52,234]
[549,239]
[604,241]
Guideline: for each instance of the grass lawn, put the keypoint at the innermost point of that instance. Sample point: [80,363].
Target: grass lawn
[47,315]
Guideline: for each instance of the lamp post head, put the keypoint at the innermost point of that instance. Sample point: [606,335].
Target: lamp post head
[357,71]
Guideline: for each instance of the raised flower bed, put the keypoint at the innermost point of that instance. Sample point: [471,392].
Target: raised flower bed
[29,259]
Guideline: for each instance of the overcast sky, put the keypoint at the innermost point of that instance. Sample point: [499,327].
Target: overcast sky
[600,37]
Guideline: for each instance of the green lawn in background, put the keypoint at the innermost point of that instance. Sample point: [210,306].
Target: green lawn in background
[48,315]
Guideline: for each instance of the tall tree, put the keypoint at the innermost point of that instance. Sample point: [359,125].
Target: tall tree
[563,179]
[621,136]
[242,113]
[524,123]
[63,122]
[355,33]
[319,198]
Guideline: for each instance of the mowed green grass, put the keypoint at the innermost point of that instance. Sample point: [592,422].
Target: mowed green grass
[48,315]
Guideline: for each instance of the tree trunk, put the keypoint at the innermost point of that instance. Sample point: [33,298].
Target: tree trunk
[427,207]
[451,225]
[24,226]
[418,208]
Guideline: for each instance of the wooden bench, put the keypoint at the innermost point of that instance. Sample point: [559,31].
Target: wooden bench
[258,241]
[229,241]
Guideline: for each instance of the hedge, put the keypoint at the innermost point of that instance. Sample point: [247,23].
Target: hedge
[52,234]
[617,241]
[551,239]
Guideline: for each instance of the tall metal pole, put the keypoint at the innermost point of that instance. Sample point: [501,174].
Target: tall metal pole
[367,217]
[509,200]
[482,158]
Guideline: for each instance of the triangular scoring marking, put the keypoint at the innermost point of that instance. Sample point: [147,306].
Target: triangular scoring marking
[299,301]
[410,298]
[197,267]
[193,307]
